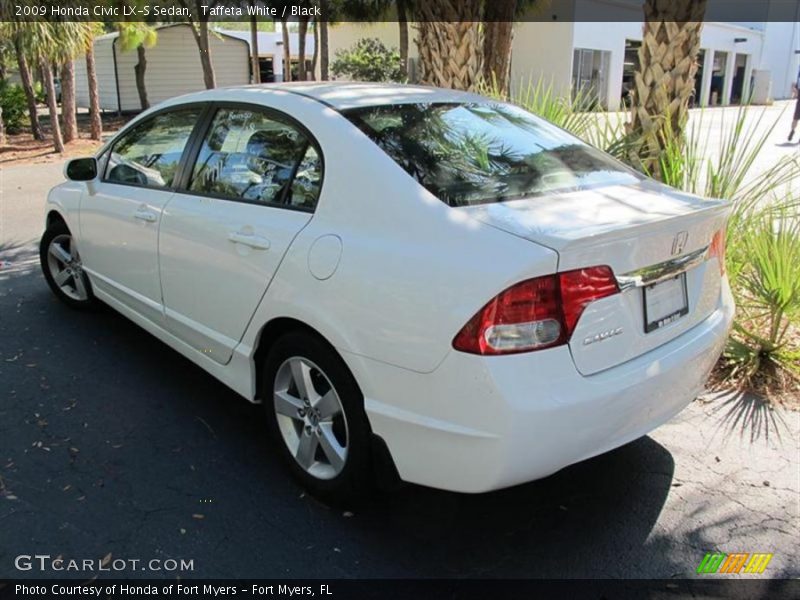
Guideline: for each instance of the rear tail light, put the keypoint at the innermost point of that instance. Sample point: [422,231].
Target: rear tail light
[535,314]
[717,249]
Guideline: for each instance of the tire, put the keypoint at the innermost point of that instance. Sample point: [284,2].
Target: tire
[328,452]
[62,268]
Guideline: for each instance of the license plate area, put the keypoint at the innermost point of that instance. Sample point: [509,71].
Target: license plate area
[665,302]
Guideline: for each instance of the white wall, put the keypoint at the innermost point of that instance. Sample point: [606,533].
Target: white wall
[106,81]
[779,58]
[542,52]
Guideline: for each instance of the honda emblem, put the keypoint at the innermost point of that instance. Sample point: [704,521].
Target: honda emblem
[679,243]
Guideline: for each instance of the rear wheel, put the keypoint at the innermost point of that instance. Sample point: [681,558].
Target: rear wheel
[62,267]
[315,411]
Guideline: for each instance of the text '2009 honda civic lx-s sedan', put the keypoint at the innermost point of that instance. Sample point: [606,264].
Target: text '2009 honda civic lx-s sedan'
[421,279]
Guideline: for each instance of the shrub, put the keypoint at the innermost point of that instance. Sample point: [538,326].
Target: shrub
[763,351]
[15,107]
[369,60]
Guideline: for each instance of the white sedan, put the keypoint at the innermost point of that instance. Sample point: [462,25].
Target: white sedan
[411,280]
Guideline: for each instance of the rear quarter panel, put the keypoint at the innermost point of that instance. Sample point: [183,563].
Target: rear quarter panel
[412,270]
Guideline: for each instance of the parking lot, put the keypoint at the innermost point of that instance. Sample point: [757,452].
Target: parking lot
[113,444]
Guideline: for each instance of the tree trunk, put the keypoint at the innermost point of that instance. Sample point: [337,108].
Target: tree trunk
[27,85]
[402,23]
[665,79]
[450,43]
[287,53]
[302,31]
[96,122]
[254,50]
[140,69]
[324,56]
[498,37]
[68,105]
[50,89]
[315,56]
[2,128]
[205,55]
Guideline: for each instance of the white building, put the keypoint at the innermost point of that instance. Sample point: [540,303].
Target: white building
[270,53]
[737,60]
[173,68]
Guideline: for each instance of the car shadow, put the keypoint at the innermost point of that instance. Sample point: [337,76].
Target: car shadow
[110,442]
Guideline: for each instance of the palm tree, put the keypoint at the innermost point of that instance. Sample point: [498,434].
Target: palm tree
[302,31]
[72,41]
[140,36]
[46,45]
[254,64]
[665,79]
[287,51]
[497,40]
[50,91]
[315,56]
[96,122]
[403,6]
[450,43]
[201,38]
[68,102]
[26,77]
[324,53]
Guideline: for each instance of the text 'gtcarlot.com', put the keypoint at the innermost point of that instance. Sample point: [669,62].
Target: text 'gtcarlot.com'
[46,562]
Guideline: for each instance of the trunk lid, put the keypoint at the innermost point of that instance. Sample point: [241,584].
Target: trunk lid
[637,230]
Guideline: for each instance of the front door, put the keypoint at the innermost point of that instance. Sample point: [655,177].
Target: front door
[252,188]
[121,212]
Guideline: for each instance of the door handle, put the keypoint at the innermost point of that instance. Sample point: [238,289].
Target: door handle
[248,239]
[145,215]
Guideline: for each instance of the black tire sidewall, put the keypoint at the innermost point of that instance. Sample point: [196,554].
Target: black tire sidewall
[44,247]
[356,478]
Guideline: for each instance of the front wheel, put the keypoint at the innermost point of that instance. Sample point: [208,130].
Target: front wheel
[315,412]
[62,267]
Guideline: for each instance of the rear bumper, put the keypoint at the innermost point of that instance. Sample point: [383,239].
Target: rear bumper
[481,423]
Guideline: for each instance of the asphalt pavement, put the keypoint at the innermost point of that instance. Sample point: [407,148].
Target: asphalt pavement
[113,444]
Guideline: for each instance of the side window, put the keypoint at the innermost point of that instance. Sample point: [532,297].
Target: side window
[149,154]
[305,187]
[250,156]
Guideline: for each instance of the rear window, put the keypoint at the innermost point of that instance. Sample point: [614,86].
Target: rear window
[467,154]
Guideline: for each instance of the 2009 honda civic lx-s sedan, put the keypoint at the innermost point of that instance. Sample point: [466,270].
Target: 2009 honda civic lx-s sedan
[409,279]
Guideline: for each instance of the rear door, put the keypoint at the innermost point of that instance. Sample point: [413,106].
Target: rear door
[120,213]
[253,185]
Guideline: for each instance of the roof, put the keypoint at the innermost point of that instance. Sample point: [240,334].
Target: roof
[346,95]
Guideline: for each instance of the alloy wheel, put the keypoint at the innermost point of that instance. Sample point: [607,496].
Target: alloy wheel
[311,418]
[66,268]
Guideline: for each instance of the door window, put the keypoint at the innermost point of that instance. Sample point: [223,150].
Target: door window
[251,156]
[148,155]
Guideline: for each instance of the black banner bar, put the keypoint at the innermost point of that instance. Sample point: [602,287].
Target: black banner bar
[738,11]
[420,589]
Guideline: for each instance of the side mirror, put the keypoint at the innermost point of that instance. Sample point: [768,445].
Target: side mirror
[81,169]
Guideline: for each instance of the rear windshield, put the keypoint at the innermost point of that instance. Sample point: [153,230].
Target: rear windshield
[467,154]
